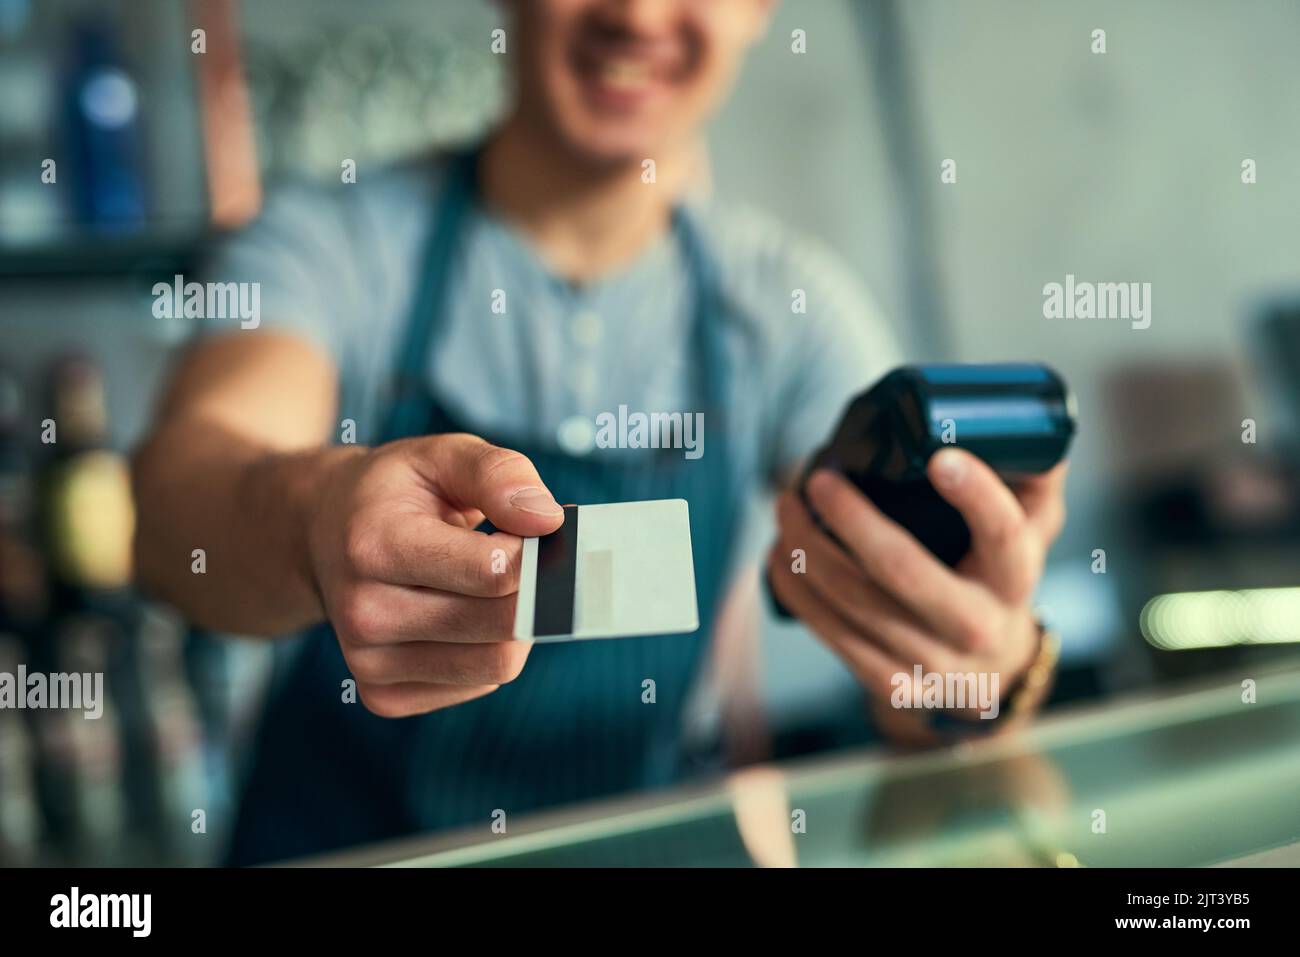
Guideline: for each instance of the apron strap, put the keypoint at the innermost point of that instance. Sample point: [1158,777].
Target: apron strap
[711,370]
[410,406]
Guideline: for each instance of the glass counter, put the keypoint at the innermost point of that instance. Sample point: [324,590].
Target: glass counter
[1191,777]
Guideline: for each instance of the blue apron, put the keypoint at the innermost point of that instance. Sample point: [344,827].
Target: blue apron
[573,726]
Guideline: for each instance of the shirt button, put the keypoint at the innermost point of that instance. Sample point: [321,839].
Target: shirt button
[587,328]
[576,435]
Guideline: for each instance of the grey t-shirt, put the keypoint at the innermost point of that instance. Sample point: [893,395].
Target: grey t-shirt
[524,354]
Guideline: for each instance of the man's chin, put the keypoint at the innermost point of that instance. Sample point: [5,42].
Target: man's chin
[606,149]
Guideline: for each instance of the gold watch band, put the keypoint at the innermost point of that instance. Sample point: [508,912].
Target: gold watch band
[1039,673]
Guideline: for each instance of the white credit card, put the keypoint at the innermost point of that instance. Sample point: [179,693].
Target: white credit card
[610,571]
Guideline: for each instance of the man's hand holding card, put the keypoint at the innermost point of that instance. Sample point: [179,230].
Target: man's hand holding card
[425,606]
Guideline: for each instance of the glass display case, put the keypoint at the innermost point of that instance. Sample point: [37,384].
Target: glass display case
[1199,776]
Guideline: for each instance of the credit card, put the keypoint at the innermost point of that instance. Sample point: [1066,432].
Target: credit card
[610,571]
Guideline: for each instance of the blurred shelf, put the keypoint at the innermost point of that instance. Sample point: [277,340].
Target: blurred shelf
[97,257]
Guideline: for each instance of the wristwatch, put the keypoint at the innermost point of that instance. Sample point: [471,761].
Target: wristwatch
[1019,698]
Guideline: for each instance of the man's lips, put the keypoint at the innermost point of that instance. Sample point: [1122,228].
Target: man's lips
[624,74]
[622,78]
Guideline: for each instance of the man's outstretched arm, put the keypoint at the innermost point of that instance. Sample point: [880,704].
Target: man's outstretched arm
[232,466]
[380,541]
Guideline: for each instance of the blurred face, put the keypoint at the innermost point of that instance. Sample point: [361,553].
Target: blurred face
[621,80]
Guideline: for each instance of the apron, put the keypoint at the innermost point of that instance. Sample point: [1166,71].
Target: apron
[573,726]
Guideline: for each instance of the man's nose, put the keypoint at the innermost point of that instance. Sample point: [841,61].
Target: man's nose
[644,18]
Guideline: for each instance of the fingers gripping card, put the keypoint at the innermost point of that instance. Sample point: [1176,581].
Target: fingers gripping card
[610,571]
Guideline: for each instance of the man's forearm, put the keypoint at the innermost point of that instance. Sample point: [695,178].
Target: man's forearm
[222,527]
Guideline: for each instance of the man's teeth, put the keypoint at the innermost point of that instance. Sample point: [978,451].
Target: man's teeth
[625,74]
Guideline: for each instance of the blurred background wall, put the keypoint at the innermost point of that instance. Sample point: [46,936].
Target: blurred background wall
[1122,166]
